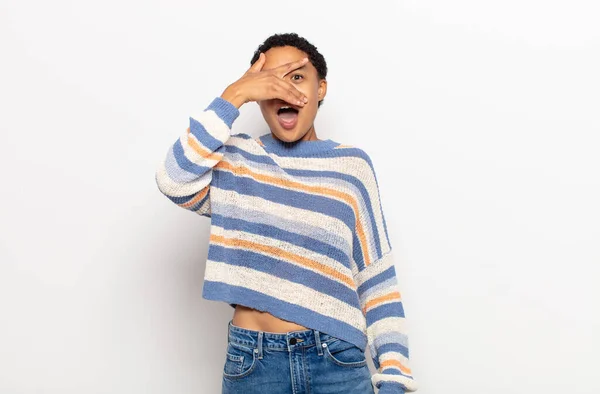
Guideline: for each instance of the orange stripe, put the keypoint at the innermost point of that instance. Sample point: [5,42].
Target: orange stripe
[375,301]
[284,255]
[395,363]
[198,197]
[205,153]
[307,188]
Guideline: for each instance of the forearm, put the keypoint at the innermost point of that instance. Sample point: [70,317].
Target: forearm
[186,170]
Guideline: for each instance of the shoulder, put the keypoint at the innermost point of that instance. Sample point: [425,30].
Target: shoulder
[356,166]
[358,158]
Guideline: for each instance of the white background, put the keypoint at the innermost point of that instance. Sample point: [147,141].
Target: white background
[481,119]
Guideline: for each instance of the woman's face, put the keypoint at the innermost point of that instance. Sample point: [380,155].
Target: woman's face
[289,125]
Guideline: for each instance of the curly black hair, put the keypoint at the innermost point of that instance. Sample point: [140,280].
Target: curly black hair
[294,40]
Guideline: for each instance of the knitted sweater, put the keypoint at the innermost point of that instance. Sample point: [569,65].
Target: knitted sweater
[297,230]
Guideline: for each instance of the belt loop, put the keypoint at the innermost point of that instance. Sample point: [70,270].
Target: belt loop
[260,345]
[318,342]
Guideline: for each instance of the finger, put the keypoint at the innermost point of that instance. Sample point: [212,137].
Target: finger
[288,92]
[287,68]
[292,89]
[258,64]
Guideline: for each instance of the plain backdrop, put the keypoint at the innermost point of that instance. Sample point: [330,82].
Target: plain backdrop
[482,122]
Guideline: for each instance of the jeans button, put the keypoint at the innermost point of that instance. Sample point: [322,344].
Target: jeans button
[293,341]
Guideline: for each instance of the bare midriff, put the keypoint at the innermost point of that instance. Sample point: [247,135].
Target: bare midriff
[253,319]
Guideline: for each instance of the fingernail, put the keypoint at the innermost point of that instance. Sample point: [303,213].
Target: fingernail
[306,99]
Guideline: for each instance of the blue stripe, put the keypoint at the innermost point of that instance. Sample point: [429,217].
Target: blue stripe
[395,309]
[325,205]
[380,277]
[395,387]
[294,238]
[174,170]
[182,199]
[357,252]
[243,136]
[208,140]
[387,236]
[185,163]
[226,111]
[393,347]
[284,270]
[240,295]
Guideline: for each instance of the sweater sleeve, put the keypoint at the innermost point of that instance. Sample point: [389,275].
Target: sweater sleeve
[380,296]
[185,174]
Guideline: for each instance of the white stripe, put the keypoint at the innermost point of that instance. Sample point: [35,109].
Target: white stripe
[410,384]
[385,325]
[174,189]
[213,125]
[247,144]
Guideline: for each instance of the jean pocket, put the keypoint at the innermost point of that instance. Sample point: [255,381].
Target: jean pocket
[345,353]
[240,361]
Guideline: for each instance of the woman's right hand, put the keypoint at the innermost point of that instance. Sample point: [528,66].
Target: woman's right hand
[258,84]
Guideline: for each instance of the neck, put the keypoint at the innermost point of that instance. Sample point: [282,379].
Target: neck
[311,135]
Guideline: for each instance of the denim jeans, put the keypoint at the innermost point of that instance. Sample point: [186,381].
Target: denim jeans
[296,362]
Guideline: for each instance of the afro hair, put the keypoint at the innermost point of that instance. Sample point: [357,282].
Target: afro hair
[294,40]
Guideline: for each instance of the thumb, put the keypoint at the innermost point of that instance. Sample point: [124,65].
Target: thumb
[257,66]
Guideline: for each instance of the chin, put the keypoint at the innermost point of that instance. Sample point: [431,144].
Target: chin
[283,138]
[287,135]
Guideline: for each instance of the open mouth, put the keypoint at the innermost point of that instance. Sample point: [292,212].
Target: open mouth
[287,116]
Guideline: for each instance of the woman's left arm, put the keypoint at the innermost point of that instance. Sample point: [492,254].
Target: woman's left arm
[379,294]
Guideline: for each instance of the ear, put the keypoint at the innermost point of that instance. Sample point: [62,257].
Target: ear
[322,89]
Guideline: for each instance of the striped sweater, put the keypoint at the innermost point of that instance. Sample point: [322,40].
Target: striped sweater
[297,230]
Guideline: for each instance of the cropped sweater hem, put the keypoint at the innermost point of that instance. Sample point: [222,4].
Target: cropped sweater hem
[237,295]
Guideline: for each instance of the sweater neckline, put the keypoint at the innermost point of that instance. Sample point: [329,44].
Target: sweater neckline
[295,148]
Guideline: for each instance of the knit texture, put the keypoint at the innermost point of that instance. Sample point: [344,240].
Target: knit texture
[297,230]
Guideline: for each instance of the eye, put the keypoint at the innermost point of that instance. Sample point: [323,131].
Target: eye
[297,77]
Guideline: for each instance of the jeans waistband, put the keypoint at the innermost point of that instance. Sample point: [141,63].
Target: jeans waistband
[275,340]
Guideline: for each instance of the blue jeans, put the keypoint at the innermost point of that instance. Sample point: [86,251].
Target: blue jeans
[296,362]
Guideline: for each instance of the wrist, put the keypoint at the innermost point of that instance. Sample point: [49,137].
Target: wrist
[233,95]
